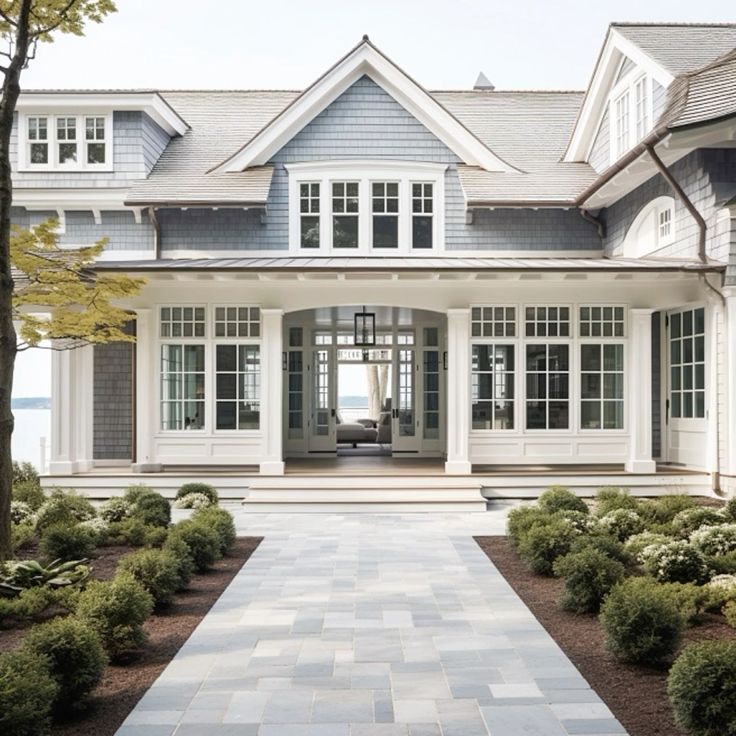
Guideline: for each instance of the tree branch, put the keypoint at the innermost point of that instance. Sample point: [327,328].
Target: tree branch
[62,14]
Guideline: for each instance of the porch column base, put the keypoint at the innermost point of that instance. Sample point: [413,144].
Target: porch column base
[70,467]
[271,467]
[641,466]
[458,467]
[147,467]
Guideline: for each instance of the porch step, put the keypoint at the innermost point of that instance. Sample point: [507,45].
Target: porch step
[376,495]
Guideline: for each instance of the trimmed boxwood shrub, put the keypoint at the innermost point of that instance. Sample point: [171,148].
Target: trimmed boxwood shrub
[65,541]
[76,658]
[156,570]
[183,556]
[521,519]
[729,510]
[30,493]
[115,509]
[702,688]
[116,610]
[589,575]
[33,601]
[688,520]
[195,487]
[63,507]
[544,543]
[557,498]
[639,542]
[147,505]
[663,510]
[621,523]
[221,521]
[603,543]
[729,612]
[21,535]
[137,533]
[675,562]
[202,541]
[27,691]
[641,621]
[723,564]
[612,498]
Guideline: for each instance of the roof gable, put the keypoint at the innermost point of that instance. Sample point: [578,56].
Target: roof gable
[364,60]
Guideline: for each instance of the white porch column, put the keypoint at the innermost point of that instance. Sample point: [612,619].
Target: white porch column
[728,469]
[272,376]
[458,392]
[639,380]
[71,410]
[146,377]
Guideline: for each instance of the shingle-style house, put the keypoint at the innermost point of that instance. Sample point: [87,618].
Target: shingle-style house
[551,275]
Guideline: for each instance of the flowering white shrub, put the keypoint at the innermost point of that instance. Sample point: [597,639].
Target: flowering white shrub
[675,562]
[724,586]
[193,501]
[621,523]
[20,512]
[115,509]
[688,520]
[98,525]
[714,540]
[638,543]
[582,522]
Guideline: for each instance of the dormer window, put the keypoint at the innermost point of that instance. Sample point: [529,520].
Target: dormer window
[366,207]
[630,112]
[67,142]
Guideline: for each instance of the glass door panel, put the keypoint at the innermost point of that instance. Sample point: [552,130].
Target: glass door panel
[322,419]
[405,437]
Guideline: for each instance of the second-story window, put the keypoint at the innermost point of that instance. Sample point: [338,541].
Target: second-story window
[38,140]
[642,108]
[309,214]
[66,140]
[385,209]
[95,139]
[622,124]
[345,214]
[422,211]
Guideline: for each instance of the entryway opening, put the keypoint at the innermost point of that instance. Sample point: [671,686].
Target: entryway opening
[364,381]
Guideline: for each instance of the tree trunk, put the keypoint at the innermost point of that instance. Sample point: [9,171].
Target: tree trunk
[8,340]
[382,385]
[374,395]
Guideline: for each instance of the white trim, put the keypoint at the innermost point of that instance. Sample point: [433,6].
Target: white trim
[149,102]
[364,60]
[50,198]
[604,78]
[643,236]
[365,172]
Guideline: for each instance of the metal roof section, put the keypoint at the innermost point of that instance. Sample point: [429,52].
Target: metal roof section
[376,264]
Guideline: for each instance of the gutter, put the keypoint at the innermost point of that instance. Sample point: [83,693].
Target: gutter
[156,232]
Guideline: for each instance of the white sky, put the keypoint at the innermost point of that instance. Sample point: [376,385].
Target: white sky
[226,44]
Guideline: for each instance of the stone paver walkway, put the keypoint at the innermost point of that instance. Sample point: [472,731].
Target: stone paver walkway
[366,625]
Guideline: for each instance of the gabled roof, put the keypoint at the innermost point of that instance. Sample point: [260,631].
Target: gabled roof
[364,59]
[664,50]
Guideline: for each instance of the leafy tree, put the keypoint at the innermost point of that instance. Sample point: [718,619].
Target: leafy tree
[23,25]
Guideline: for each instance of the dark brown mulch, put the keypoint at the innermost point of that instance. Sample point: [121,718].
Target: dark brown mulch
[123,686]
[636,695]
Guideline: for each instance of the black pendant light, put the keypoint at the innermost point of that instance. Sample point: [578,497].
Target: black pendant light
[364,332]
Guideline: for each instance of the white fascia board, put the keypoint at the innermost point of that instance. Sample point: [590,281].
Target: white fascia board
[365,60]
[149,102]
[603,81]
[70,199]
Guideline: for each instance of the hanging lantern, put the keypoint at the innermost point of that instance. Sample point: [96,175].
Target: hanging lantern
[364,333]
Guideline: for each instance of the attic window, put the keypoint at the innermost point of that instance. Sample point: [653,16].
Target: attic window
[65,142]
[652,229]
[630,112]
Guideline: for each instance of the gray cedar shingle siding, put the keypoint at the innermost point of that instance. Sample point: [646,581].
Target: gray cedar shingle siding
[600,153]
[659,98]
[112,436]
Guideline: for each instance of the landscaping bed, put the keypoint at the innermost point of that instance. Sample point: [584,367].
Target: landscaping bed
[637,695]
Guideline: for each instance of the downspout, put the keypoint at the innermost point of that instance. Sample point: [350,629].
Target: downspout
[156,232]
[702,255]
[585,214]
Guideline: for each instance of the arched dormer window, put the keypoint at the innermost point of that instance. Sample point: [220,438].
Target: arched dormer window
[652,229]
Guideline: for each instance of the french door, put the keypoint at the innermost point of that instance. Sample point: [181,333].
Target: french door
[322,419]
[405,424]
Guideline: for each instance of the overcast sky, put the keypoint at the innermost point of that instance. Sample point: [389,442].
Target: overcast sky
[232,44]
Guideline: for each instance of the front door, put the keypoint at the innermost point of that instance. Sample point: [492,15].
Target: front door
[405,435]
[322,418]
[686,405]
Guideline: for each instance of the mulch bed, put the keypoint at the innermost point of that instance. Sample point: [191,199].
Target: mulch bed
[636,695]
[123,686]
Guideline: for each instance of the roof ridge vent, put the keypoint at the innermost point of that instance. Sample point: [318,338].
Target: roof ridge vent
[483,83]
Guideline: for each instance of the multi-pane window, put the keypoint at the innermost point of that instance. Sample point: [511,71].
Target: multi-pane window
[94,134]
[431,377]
[602,321]
[238,386]
[493,322]
[422,212]
[183,322]
[38,140]
[385,213]
[237,322]
[295,387]
[182,387]
[309,214]
[687,364]
[621,120]
[602,386]
[345,214]
[547,321]
[492,387]
[642,108]
[665,224]
[66,140]
[547,386]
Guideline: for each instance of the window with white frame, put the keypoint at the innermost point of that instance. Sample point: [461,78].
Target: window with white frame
[621,120]
[492,386]
[665,223]
[641,111]
[547,386]
[602,386]
[547,321]
[687,364]
[422,213]
[237,386]
[493,322]
[182,386]
[653,228]
[182,321]
[237,321]
[602,321]
[65,142]
[366,206]
[630,112]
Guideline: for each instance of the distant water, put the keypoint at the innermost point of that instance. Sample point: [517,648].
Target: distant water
[30,426]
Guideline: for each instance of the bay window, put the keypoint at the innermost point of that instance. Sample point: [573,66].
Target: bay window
[345,214]
[309,214]
[602,386]
[421,214]
[38,140]
[95,137]
[385,214]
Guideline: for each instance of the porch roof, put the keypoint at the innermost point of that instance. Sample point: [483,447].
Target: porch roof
[382,264]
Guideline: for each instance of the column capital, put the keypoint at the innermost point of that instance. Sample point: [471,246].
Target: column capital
[458,311]
[642,311]
[272,312]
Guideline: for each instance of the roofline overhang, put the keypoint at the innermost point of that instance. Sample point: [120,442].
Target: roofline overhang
[192,204]
[536,204]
